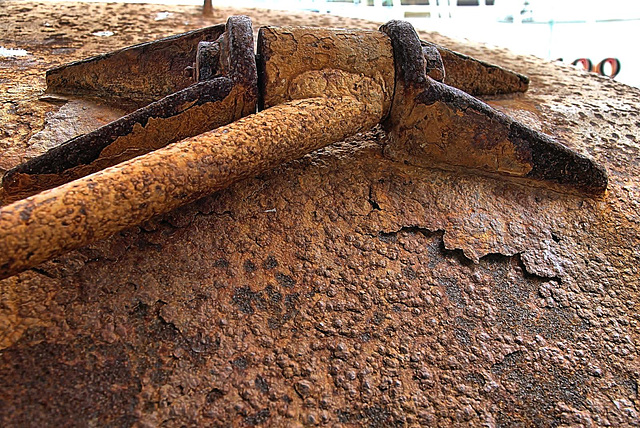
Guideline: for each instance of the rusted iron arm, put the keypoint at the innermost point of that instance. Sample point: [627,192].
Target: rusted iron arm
[435,124]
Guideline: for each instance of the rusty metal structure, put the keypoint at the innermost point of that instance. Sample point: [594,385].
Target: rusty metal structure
[316,87]
[387,279]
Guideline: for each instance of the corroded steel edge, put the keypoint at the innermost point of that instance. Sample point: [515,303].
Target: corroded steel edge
[72,215]
[432,123]
[142,73]
[478,77]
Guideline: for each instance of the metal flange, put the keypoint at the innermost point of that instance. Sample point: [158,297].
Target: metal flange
[216,100]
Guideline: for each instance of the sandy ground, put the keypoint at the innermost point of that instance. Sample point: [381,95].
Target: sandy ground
[342,289]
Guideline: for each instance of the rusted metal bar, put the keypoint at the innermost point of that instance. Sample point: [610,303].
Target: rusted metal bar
[293,61]
[227,91]
[140,74]
[207,8]
[72,215]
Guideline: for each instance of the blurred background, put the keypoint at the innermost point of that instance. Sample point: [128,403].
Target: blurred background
[599,36]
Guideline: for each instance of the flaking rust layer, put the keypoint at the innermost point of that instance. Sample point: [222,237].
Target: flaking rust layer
[347,289]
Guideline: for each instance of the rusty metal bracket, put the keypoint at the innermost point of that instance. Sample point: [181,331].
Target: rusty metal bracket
[314,87]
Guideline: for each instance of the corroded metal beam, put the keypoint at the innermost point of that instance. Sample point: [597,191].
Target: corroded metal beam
[140,74]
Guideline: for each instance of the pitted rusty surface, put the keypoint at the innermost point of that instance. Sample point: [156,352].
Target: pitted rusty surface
[345,289]
[289,55]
